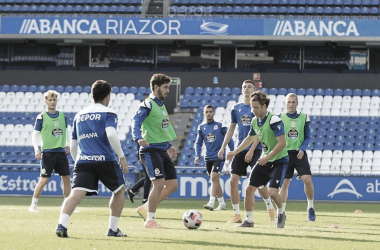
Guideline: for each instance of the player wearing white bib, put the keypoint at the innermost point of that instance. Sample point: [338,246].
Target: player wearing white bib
[94,141]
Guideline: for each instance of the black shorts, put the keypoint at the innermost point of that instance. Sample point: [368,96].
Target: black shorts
[87,176]
[301,165]
[274,172]
[56,161]
[214,166]
[158,164]
[239,166]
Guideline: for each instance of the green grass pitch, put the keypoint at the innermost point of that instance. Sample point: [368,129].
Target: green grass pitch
[20,229]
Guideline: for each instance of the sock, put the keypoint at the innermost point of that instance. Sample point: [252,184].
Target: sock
[284,205]
[281,210]
[236,208]
[249,216]
[113,223]
[268,202]
[310,203]
[212,200]
[34,202]
[221,201]
[64,219]
[151,216]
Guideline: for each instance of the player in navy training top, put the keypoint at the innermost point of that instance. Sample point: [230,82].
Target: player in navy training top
[212,134]
[241,114]
[94,134]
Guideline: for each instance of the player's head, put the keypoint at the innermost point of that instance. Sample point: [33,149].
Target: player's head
[247,88]
[51,99]
[101,92]
[259,103]
[159,84]
[291,101]
[209,112]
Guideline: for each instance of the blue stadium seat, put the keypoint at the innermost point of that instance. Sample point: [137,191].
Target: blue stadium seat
[141,90]
[374,2]
[235,91]
[291,90]
[50,87]
[283,10]
[310,10]
[374,10]
[139,96]
[301,91]
[338,2]
[329,92]
[132,90]
[69,89]
[15,88]
[105,8]
[320,2]
[273,10]
[338,92]
[226,90]
[301,10]
[32,88]
[346,10]
[356,2]
[348,146]
[198,90]
[328,10]
[78,89]
[281,91]
[364,10]
[24,8]
[357,92]
[77,8]
[273,91]
[291,10]
[310,91]
[59,88]
[337,10]
[319,91]
[355,10]
[375,92]
[366,92]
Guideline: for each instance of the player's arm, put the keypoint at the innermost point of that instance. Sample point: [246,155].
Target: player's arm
[251,151]
[36,135]
[67,148]
[244,144]
[231,142]
[74,141]
[198,145]
[138,119]
[226,140]
[111,125]
[306,141]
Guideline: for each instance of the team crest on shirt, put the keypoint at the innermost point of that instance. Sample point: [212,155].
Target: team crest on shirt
[293,124]
[265,147]
[165,123]
[57,132]
[216,127]
[293,134]
[246,120]
[210,137]
[157,172]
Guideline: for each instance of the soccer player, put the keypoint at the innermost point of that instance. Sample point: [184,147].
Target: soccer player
[297,133]
[242,115]
[51,125]
[94,132]
[152,130]
[269,130]
[212,134]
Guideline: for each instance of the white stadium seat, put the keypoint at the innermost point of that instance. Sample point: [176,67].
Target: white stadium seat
[347,154]
[317,154]
[368,155]
[327,154]
[358,154]
[337,154]
[74,96]
[130,96]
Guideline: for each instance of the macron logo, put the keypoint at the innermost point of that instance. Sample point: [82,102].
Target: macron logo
[92,158]
[315,28]
[350,190]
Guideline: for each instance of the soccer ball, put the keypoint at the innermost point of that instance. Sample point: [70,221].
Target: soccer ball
[192,219]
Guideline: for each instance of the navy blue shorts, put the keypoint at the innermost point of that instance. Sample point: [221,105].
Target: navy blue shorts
[239,166]
[56,161]
[301,165]
[87,176]
[214,166]
[158,164]
[272,171]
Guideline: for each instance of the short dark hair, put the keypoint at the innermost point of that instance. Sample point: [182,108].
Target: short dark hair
[100,89]
[261,97]
[208,106]
[249,81]
[159,79]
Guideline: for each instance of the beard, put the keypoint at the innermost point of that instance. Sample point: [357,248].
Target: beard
[160,95]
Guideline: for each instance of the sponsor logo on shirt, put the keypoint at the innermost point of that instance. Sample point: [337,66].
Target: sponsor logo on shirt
[57,132]
[90,117]
[89,135]
[293,134]
[92,158]
[165,123]
[210,137]
[246,120]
